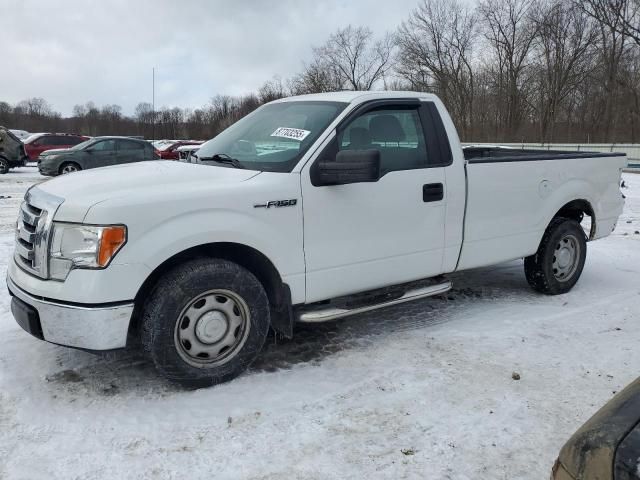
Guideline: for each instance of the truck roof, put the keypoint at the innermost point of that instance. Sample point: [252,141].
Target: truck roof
[349,96]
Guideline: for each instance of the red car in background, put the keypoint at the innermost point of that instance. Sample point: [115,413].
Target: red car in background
[40,142]
[169,151]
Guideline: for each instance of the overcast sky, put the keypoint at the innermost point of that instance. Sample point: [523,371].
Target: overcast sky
[72,51]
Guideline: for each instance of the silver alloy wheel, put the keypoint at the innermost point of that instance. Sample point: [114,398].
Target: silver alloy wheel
[566,258]
[212,328]
[69,169]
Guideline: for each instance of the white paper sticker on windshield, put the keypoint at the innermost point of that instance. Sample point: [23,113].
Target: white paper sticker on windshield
[292,133]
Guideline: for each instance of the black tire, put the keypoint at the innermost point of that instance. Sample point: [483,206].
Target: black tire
[179,292]
[548,272]
[69,167]
[4,166]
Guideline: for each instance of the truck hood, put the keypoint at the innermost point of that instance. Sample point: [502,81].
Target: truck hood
[82,190]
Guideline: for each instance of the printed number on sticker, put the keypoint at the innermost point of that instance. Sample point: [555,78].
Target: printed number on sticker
[292,133]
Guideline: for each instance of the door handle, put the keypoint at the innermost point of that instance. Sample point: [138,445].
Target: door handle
[432,192]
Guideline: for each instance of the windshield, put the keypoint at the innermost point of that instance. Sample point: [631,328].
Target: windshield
[274,137]
[82,145]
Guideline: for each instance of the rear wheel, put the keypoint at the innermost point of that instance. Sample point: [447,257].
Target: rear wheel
[557,265]
[205,322]
[4,166]
[69,167]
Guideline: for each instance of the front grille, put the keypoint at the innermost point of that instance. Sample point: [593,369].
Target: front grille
[26,235]
[32,231]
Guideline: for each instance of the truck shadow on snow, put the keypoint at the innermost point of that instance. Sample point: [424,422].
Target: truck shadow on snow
[313,342]
[128,371]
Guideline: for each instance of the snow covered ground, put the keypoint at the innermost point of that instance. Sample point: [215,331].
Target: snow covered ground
[423,390]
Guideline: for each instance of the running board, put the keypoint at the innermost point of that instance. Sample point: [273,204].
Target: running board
[318,315]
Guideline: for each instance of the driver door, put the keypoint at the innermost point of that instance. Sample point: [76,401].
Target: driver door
[363,236]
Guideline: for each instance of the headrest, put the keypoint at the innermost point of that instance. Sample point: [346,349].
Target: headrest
[359,137]
[386,128]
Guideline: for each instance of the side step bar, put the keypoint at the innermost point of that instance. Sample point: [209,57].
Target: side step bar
[334,313]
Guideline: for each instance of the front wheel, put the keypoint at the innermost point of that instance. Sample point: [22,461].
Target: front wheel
[69,167]
[557,265]
[4,166]
[205,322]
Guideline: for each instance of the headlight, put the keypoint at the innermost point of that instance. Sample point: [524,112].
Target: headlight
[83,246]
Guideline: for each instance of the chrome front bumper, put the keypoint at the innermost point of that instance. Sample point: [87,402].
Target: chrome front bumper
[101,327]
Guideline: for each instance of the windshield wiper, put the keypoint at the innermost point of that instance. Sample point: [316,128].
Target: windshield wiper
[223,158]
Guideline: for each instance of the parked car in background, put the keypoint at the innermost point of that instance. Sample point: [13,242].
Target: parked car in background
[607,447]
[160,143]
[169,151]
[41,142]
[186,153]
[94,153]
[21,134]
[12,152]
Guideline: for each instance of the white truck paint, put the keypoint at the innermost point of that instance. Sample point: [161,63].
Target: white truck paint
[332,241]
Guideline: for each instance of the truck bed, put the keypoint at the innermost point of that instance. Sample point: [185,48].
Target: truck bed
[482,154]
[513,194]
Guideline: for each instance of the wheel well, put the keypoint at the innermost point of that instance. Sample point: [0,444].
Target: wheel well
[247,257]
[576,210]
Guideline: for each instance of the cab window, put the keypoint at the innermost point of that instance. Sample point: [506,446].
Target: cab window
[395,132]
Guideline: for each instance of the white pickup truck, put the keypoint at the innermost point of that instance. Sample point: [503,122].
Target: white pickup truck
[310,209]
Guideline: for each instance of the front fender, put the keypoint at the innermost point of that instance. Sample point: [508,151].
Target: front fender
[182,232]
[155,241]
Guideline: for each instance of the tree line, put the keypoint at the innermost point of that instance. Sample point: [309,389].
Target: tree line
[507,70]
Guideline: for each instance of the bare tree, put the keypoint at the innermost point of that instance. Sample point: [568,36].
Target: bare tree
[630,80]
[317,77]
[35,107]
[272,90]
[6,112]
[621,15]
[109,120]
[510,34]
[614,18]
[144,115]
[613,47]
[565,47]
[169,122]
[435,54]
[353,57]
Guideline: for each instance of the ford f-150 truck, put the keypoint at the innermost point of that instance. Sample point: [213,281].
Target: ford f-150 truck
[311,208]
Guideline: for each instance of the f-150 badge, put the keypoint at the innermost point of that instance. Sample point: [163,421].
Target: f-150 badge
[277,203]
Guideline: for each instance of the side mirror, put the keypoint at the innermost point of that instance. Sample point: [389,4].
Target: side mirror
[350,166]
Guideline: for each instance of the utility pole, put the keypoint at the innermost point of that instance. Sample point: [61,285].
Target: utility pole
[153,104]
